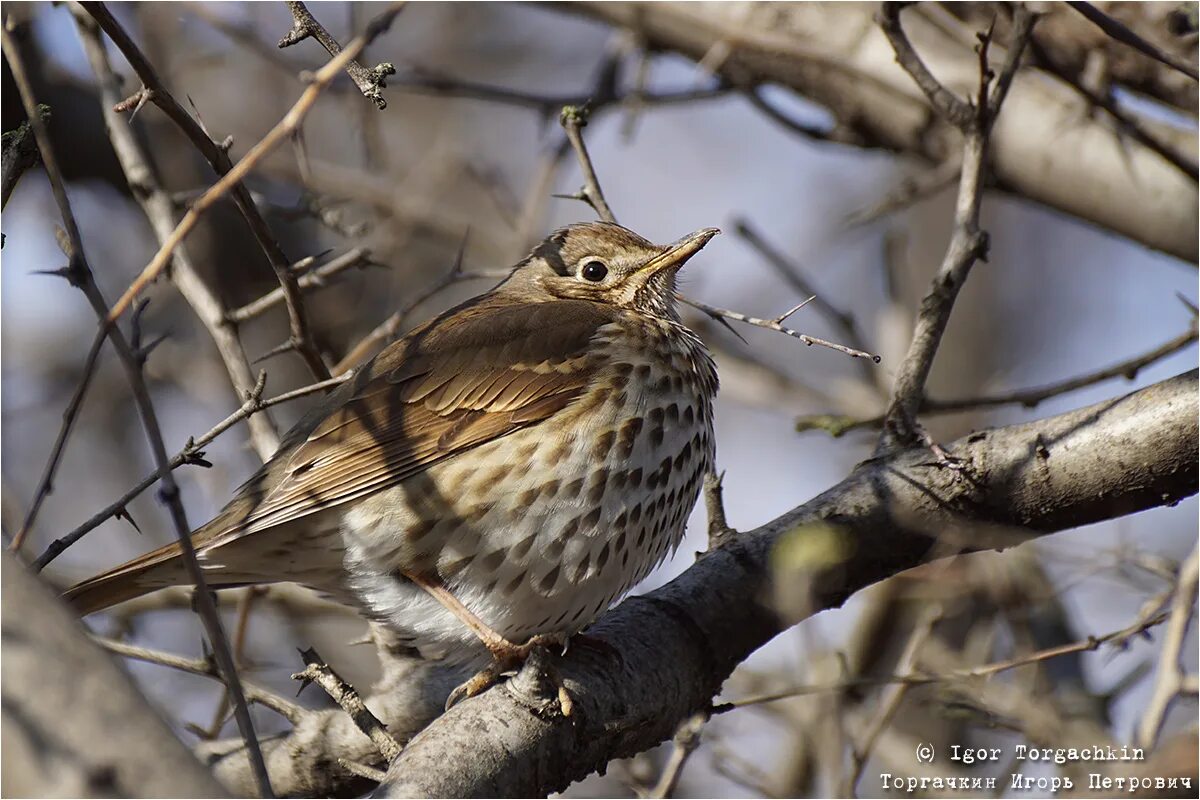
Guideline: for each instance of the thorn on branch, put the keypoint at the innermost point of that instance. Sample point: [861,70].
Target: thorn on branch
[368,81]
[318,672]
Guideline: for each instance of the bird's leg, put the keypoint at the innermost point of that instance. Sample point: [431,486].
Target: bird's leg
[505,654]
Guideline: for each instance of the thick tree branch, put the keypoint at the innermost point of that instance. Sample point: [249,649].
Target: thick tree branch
[678,644]
[74,723]
[1116,457]
[132,357]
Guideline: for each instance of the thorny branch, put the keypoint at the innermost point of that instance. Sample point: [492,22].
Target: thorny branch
[160,210]
[794,276]
[192,453]
[968,243]
[368,81]
[217,155]
[46,482]
[318,672]
[837,425]
[277,135]
[79,273]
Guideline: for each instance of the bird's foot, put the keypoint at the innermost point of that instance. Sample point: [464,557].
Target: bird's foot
[507,658]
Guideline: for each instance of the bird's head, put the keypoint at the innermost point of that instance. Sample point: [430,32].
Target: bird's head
[605,263]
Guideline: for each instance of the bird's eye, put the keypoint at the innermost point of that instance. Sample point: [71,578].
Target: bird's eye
[594,271]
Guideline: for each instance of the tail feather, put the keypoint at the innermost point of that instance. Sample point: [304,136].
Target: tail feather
[155,570]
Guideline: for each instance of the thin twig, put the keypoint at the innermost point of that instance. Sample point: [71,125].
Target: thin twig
[217,154]
[1170,680]
[774,325]
[391,326]
[160,211]
[968,243]
[318,278]
[838,425]
[80,274]
[572,119]
[70,414]
[204,667]
[795,277]
[1123,34]
[276,136]
[192,453]
[368,81]
[889,704]
[687,739]
[318,672]
[1151,616]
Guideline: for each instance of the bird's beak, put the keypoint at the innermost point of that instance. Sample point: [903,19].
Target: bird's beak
[677,254]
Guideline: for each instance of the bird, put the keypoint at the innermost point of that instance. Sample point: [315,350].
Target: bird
[496,478]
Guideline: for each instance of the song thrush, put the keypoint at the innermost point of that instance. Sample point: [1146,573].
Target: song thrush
[504,472]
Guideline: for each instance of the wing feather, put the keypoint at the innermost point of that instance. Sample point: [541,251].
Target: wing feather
[465,379]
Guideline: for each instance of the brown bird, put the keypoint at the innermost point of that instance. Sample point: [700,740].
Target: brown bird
[498,476]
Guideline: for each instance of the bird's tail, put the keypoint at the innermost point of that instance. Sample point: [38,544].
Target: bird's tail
[155,570]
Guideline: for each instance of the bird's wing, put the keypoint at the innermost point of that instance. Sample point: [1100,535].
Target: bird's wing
[438,392]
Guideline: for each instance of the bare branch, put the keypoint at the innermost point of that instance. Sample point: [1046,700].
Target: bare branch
[686,740]
[1170,681]
[1028,398]
[81,276]
[968,243]
[1128,121]
[946,103]
[20,153]
[772,325]
[1124,35]
[1150,617]
[573,119]
[679,643]
[320,673]
[317,278]
[230,181]
[192,453]
[794,275]
[46,481]
[217,154]
[368,81]
[205,668]
[159,209]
